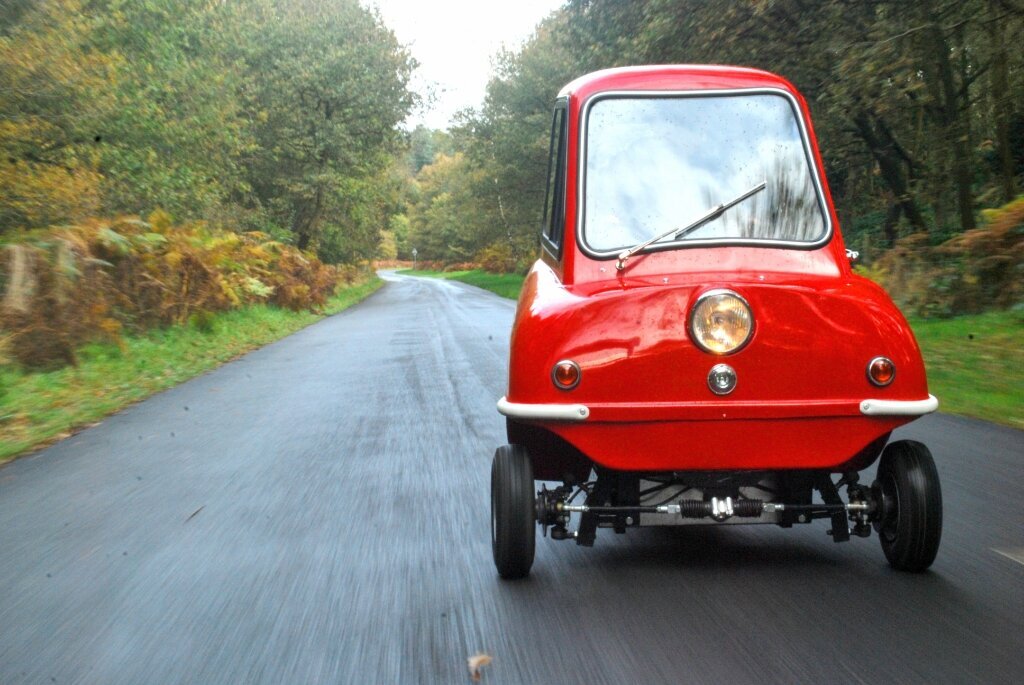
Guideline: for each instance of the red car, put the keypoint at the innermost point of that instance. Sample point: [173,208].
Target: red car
[692,345]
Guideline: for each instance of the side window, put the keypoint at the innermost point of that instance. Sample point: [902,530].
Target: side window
[554,202]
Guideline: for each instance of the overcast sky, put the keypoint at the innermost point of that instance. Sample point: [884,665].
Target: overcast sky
[454,40]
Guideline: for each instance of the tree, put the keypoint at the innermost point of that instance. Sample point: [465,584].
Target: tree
[325,90]
[174,136]
[52,95]
[448,221]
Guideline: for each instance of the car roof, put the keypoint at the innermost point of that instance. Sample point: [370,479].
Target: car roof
[673,77]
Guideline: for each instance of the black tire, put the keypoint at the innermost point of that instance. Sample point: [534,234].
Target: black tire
[910,521]
[513,532]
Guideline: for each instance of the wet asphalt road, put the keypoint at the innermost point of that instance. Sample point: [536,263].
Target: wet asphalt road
[317,512]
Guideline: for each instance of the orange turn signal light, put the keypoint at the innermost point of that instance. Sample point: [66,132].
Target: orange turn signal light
[881,371]
[566,375]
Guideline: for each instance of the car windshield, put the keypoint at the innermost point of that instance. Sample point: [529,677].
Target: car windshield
[653,163]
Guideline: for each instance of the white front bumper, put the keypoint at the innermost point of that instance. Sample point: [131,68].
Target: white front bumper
[899,407]
[543,412]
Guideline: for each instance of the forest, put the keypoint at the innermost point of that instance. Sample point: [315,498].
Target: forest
[162,160]
[918,107]
[252,115]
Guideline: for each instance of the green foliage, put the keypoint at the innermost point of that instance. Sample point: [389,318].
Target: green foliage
[51,92]
[424,145]
[917,106]
[448,218]
[202,320]
[252,115]
[71,285]
[972,272]
[497,258]
[326,87]
[175,133]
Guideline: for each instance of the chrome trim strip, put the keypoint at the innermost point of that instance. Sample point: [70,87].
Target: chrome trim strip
[581,166]
[543,412]
[899,407]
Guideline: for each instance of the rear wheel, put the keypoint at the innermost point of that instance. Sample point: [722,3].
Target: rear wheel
[910,520]
[512,512]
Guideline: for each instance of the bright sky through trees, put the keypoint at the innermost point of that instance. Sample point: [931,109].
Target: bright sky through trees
[454,40]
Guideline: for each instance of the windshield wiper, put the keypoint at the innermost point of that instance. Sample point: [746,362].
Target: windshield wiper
[680,233]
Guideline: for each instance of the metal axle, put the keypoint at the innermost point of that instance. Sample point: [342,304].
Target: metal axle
[719,509]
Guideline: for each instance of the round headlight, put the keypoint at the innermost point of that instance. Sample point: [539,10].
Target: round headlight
[721,322]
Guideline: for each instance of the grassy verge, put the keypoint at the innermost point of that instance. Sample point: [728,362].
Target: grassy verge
[975,363]
[506,285]
[40,407]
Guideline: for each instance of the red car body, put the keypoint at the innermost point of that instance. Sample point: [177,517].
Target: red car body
[802,399]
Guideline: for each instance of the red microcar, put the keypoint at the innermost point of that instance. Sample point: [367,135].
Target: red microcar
[692,345]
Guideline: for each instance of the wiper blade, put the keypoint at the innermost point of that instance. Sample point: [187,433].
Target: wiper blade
[680,233]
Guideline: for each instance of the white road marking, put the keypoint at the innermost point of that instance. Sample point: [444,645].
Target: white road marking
[1014,554]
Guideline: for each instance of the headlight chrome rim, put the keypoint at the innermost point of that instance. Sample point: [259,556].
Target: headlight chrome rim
[699,342]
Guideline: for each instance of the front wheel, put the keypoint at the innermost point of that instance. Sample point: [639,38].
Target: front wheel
[512,511]
[910,521]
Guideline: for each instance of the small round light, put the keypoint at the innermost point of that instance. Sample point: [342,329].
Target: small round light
[721,322]
[566,374]
[881,371]
[722,379]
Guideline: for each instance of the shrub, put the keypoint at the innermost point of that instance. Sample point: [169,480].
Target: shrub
[972,272]
[202,321]
[497,258]
[69,285]
[461,266]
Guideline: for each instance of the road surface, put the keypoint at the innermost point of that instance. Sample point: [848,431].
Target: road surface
[317,512]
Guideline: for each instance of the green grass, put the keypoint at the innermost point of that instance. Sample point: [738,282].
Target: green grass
[39,407]
[976,365]
[506,285]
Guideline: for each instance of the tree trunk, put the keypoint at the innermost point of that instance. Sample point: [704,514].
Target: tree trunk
[307,220]
[889,227]
[952,110]
[887,155]
[999,91]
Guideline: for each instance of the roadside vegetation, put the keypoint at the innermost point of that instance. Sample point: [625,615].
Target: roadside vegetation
[180,181]
[279,117]
[976,364]
[505,285]
[37,407]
